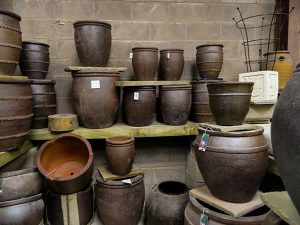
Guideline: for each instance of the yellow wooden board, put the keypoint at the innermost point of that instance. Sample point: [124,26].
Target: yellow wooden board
[13,77]
[106,174]
[95,69]
[216,127]
[126,83]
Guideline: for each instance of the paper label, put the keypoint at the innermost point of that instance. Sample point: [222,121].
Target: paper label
[95,84]
[127,181]
[130,55]
[136,96]
[168,55]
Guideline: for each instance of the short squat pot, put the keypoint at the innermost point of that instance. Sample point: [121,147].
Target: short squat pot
[145,63]
[120,152]
[234,163]
[230,102]
[166,203]
[171,64]
[67,163]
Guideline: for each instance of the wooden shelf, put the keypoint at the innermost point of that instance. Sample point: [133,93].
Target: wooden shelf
[121,129]
[126,83]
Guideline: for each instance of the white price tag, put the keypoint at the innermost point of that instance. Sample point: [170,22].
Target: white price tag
[168,55]
[136,96]
[127,181]
[95,84]
[130,55]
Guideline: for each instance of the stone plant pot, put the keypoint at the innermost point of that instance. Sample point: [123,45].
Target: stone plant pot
[171,64]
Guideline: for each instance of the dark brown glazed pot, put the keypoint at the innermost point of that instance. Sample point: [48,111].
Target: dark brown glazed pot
[234,163]
[166,203]
[175,103]
[20,184]
[96,107]
[66,162]
[217,217]
[171,64]
[230,102]
[77,208]
[120,152]
[93,42]
[10,42]
[144,62]
[15,112]
[119,203]
[285,133]
[24,211]
[209,60]
[35,59]
[139,105]
[44,102]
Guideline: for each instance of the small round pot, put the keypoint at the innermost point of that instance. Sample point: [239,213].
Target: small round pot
[171,64]
[166,203]
[234,163]
[139,105]
[217,217]
[20,184]
[24,211]
[175,104]
[93,42]
[230,102]
[119,203]
[120,152]
[66,162]
[145,63]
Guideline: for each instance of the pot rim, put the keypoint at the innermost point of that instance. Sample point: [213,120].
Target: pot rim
[136,49]
[118,183]
[71,177]
[207,81]
[207,45]
[21,200]
[141,88]
[277,52]
[230,83]
[12,14]
[39,81]
[173,194]
[18,172]
[86,190]
[175,87]
[14,81]
[35,43]
[110,140]
[92,22]
[248,133]
[177,50]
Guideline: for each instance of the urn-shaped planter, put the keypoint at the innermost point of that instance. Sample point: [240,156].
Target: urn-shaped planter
[171,64]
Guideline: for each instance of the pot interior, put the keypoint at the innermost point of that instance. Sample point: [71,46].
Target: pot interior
[172,188]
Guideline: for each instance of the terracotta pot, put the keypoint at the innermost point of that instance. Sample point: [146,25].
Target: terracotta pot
[139,105]
[209,60]
[175,103]
[285,133]
[77,208]
[171,64]
[24,211]
[66,162]
[230,102]
[234,163]
[217,217]
[282,62]
[10,42]
[145,63]
[96,106]
[15,113]
[20,184]
[119,203]
[120,152]
[35,59]
[166,203]
[44,102]
[93,42]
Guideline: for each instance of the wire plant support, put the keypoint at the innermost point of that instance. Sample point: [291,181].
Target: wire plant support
[258,37]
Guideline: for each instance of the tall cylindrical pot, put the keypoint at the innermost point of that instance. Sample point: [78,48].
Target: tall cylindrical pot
[119,203]
[96,98]
[93,42]
[234,163]
[139,105]
[166,203]
[171,64]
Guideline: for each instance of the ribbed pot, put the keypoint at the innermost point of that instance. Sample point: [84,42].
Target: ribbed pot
[15,113]
[139,105]
[144,62]
[66,162]
[217,217]
[10,42]
[234,163]
[166,203]
[230,102]
[175,103]
[93,42]
[285,133]
[77,208]
[120,152]
[24,211]
[35,59]
[119,203]
[96,98]
[171,64]
[44,102]
[209,60]
[20,184]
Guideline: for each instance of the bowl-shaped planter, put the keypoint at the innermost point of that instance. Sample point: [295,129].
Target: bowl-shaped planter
[67,163]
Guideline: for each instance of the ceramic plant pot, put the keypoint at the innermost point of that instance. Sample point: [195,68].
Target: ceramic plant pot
[171,64]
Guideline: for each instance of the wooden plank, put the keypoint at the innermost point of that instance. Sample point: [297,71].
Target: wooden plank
[13,77]
[95,69]
[106,174]
[6,157]
[282,205]
[216,127]
[126,83]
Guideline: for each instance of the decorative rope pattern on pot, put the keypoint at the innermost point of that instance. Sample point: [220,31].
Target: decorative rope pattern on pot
[145,50]
[10,45]
[32,50]
[40,118]
[45,93]
[93,24]
[9,62]
[7,98]
[120,145]
[44,106]
[96,74]
[12,118]
[10,28]
[13,136]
